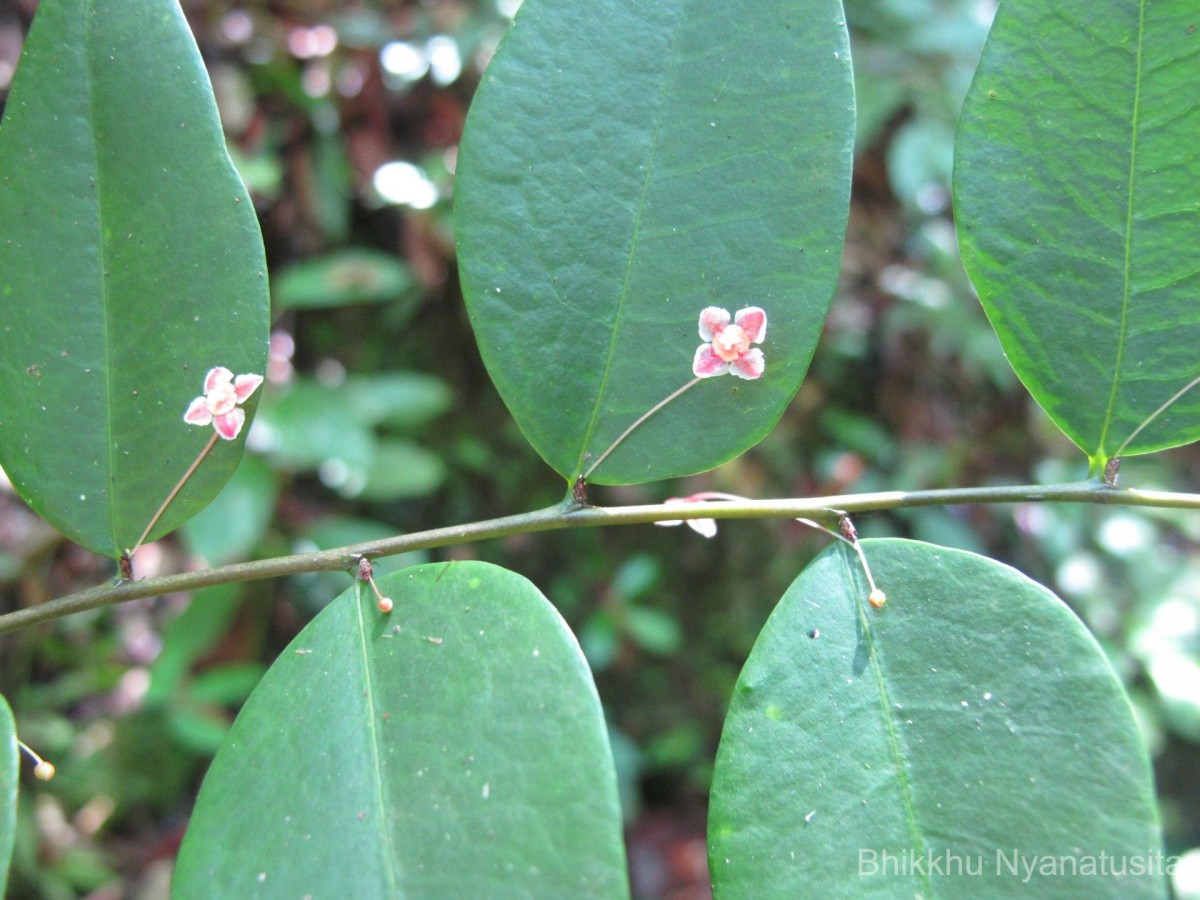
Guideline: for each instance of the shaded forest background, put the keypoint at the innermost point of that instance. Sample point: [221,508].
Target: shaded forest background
[379,418]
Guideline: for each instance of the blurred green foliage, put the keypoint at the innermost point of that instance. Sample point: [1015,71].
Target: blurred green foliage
[378,418]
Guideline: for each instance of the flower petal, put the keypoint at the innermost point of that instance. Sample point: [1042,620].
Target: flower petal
[754,321]
[216,378]
[706,527]
[707,364]
[197,412]
[749,365]
[230,425]
[245,385]
[668,523]
[712,320]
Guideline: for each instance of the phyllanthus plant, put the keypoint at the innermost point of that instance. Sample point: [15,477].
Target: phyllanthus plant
[219,406]
[740,173]
[726,350]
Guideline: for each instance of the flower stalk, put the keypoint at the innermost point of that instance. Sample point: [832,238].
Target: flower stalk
[43,769]
[220,407]
[727,350]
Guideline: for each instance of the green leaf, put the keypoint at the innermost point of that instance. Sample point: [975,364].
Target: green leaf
[193,634]
[355,275]
[309,425]
[971,716]
[453,748]
[331,429]
[132,264]
[610,188]
[196,729]
[1077,190]
[9,770]
[403,400]
[231,527]
[401,470]
[228,684]
[654,630]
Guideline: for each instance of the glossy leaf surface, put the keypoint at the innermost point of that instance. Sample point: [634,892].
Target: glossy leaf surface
[1077,193]
[972,716]
[136,267]
[453,748]
[610,188]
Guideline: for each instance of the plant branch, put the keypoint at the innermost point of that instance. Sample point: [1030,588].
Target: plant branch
[568,515]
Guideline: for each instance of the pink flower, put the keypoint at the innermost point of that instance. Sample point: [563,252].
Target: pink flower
[728,348]
[218,405]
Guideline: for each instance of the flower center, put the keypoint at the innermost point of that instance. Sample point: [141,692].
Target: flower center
[730,343]
[221,400]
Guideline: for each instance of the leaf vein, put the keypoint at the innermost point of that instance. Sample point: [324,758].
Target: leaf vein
[602,390]
[1126,286]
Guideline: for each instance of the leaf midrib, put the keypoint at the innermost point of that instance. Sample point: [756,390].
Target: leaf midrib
[1123,328]
[891,733]
[372,727]
[606,377]
[102,283]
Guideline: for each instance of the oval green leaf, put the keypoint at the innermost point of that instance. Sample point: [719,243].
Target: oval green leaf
[453,748]
[626,164]
[353,275]
[131,264]
[230,528]
[9,770]
[1077,195]
[971,722]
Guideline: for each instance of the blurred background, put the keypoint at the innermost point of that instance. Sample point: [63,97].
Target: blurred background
[379,418]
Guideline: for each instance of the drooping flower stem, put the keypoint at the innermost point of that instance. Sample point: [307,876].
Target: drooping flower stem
[877,597]
[638,421]
[174,491]
[43,769]
[366,572]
